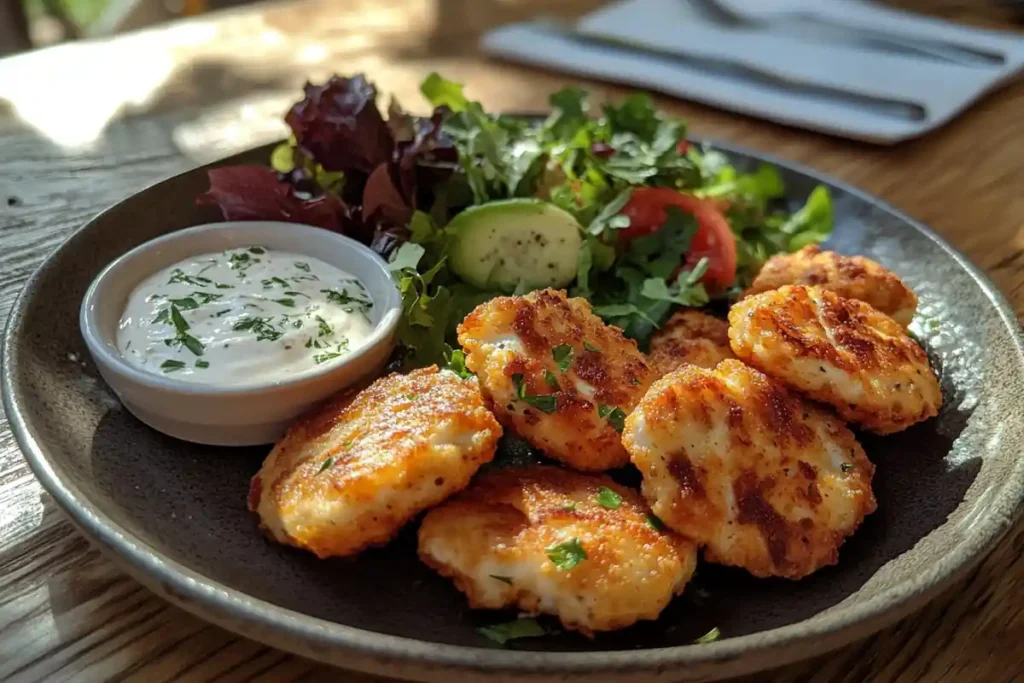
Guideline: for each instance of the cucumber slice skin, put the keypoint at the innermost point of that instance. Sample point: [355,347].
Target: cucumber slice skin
[500,245]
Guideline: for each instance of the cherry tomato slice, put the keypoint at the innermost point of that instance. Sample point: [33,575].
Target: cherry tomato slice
[714,239]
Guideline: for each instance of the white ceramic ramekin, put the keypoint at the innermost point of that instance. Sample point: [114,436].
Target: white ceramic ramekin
[239,415]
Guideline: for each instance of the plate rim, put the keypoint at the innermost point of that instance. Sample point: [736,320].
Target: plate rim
[381,652]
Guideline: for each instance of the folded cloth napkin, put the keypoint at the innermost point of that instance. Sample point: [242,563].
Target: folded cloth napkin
[843,88]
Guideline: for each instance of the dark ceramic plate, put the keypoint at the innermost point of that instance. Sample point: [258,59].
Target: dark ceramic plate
[174,513]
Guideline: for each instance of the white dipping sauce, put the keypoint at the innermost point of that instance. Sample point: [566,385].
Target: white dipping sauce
[243,316]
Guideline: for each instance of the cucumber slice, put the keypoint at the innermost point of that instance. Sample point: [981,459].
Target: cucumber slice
[501,244]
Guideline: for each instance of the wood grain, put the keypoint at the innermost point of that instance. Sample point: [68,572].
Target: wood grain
[197,90]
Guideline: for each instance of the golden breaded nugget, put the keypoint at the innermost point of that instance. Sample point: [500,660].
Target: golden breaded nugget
[349,475]
[851,277]
[689,337]
[549,540]
[763,478]
[556,374]
[838,351]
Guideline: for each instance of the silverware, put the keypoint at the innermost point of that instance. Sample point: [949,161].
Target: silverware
[735,69]
[810,20]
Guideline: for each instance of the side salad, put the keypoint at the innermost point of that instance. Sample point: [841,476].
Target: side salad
[466,205]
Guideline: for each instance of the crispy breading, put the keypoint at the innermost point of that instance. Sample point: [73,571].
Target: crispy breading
[851,277]
[573,415]
[838,351]
[496,541]
[689,337]
[350,474]
[763,478]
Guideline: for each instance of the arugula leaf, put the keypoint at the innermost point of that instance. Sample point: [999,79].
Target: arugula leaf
[812,223]
[456,361]
[609,216]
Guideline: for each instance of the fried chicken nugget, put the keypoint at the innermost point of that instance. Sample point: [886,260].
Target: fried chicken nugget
[763,478]
[851,277]
[556,375]
[689,337]
[553,541]
[838,351]
[351,474]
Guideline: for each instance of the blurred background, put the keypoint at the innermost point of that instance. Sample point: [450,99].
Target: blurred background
[28,24]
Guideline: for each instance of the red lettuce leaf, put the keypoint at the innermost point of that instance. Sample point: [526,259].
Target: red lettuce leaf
[255,193]
[338,125]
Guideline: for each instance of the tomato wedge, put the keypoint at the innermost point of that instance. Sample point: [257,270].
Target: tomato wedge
[714,239]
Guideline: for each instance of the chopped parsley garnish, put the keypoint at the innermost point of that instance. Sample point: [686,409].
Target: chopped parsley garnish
[224,286]
[635,381]
[547,403]
[569,507]
[257,250]
[180,276]
[270,282]
[655,523]
[343,298]
[290,303]
[551,380]
[221,313]
[261,326]
[202,364]
[241,262]
[302,266]
[566,555]
[616,417]
[846,467]
[327,463]
[590,347]
[607,498]
[172,316]
[503,579]
[172,365]
[520,628]
[340,350]
[186,304]
[325,329]
[563,356]
[709,637]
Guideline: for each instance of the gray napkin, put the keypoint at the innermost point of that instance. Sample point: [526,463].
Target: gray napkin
[846,89]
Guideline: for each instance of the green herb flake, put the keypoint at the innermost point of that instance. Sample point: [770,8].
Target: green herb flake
[546,403]
[846,467]
[163,316]
[709,637]
[301,266]
[503,579]
[608,498]
[185,304]
[551,380]
[192,344]
[343,298]
[615,416]
[563,356]
[257,250]
[290,303]
[172,365]
[512,630]
[569,507]
[202,364]
[178,321]
[566,555]
[655,523]
[590,347]
[327,463]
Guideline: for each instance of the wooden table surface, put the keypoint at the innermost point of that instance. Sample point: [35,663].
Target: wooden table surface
[84,126]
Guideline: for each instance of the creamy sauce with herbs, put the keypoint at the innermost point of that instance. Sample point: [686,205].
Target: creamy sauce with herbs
[242,316]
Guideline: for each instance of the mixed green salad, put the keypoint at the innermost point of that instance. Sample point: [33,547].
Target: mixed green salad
[466,205]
